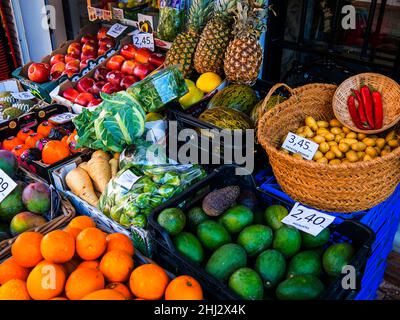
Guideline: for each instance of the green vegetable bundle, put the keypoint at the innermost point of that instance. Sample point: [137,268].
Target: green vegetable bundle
[171,19]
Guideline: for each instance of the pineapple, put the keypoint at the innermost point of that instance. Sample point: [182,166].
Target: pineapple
[214,40]
[185,43]
[243,56]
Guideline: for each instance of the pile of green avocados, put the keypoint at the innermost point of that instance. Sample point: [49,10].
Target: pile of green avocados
[250,249]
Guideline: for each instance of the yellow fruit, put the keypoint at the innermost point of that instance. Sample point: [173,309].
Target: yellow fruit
[190,83]
[193,96]
[208,81]
[152,116]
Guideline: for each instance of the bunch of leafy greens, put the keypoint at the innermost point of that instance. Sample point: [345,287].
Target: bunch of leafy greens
[113,125]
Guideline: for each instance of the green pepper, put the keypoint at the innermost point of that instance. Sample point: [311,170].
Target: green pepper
[171,178]
[131,210]
[143,200]
[139,221]
[115,213]
[156,201]
[166,191]
[125,221]
[150,187]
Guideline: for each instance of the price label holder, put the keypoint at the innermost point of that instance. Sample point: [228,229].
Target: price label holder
[308,220]
[298,144]
[127,179]
[116,30]
[143,40]
[26,95]
[7,185]
[62,118]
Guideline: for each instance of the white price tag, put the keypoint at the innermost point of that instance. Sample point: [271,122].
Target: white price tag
[7,185]
[308,220]
[143,40]
[145,23]
[127,179]
[26,95]
[298,144]
[63,118]
[116,30]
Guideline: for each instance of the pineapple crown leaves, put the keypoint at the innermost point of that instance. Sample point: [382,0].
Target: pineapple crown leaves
[199,13]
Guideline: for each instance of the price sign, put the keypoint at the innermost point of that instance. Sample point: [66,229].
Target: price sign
[26,95]
[7,185]
[143,40]
[116,30]
[127,179]
[298,144]
[62,118]
[307,220]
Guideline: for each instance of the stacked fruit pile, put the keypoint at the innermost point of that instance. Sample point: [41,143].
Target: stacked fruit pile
[254,252]
[75,60]
[87,264]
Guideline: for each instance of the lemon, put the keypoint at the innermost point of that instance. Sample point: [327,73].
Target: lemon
[193,96]
[153,116]
[208,81]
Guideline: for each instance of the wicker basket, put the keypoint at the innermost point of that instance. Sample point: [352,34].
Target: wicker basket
[68,213]
[336,188]
[389,89]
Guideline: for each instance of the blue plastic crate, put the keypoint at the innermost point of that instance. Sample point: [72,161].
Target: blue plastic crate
[383,219]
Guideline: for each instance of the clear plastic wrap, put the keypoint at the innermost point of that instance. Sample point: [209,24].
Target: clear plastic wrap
[172,13]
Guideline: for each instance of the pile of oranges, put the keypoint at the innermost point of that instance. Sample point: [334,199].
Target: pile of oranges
[82,262]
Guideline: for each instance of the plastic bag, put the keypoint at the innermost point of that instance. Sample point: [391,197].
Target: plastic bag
[171,19]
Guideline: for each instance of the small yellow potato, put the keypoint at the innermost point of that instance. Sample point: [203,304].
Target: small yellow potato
[309,133]
[318,155]
[380,143]
[324,147]
[391,135]
[367,157]
[312,123]
[332,143]
[335,161]
[337,152]
[323,124]
[361,136]
[322,131]
[351,135]
[352,156]
[330,155]
[318,139]
[335,123]
[322,160]
[346,130]
[344,147]
[371,151]
[360,155]
[359,146]
[369,142]
[336,130]
[329,136]
[393,143]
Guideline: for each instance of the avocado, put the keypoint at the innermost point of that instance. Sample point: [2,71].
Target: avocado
[306,262]
[12,204]
[218,201]
[273,216]
[212,234]
[287,240]
[195,216]
[309,241]
[246,283]
[271,265]
[255,239]
[236,219]
[306,287]
[226,260]
[173,220]
[336,257]
[189,246]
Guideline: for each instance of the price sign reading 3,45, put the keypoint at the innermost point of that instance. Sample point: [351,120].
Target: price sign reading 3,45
[7,185]
[298,144]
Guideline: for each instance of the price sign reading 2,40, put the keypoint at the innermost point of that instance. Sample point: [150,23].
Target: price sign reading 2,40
[7,185]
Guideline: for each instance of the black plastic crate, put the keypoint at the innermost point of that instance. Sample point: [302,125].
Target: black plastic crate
[360,236]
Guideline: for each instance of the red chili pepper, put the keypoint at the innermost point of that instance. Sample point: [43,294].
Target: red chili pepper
[368,105]
[351,104]
[378,109]
[361,110]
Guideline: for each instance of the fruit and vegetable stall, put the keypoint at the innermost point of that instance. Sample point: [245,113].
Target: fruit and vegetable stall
[88,190]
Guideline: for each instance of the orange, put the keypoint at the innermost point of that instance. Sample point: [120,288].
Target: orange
[119,241]
[14,289]
[104,294]
[148,282]
[95,264]
[59,298]
[54,151]
[10,270]
[122,289]
[116,266]
[82,222]
[91,243]
[82,282]
[73,231]
[46,281]
[58,246]
[184,288]
[26,249]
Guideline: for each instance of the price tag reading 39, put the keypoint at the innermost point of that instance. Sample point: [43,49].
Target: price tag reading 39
[307,220]
[26,95]
[143,40]
[7,185]
[298,144]
[63,118]
[116,30]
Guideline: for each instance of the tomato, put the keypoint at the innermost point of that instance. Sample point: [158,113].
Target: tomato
[24,133]
[44,128]
[11,142]
[33,139]
[55,151]
[18,150]
[64,140]
[71,143]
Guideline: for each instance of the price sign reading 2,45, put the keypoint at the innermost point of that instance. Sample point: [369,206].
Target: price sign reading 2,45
[298,144]
[7,185]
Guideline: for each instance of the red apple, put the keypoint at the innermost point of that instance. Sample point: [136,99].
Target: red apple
[115,63]
[110,88]
[127,81]
[57,70]
[83,64]
[128,66]
[96,89]
[115,77]
[71,57]
[89,49]
[73,66]
[85,85]
[156,59]
[68,73]
[143,55]
[84,98]
[100,74]
[88,38]
[128,51]
[142,70]
[57,58]
[102,51]
[94,102]
[75,48]
[38,72]
[88,57]
[70,94]
[107,42]
[102,33]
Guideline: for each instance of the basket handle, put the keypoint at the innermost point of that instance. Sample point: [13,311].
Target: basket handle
[269,95]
